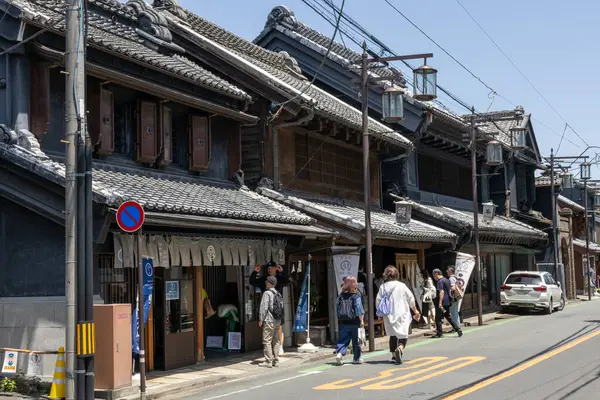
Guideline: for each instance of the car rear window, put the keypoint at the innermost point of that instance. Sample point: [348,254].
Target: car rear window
[522,279]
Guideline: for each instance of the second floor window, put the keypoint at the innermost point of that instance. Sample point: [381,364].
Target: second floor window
[328,164]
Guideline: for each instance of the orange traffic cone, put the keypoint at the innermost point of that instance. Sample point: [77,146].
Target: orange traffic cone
[58,390]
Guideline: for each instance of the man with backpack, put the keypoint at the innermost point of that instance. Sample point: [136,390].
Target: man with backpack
[443,300]
[271,312]
[457,291]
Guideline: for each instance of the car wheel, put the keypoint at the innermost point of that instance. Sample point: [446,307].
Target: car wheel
[561,304]
[505,309]
[550,308]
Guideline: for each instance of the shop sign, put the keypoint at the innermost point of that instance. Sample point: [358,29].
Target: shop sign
[235,341]
[172,290]
[345,264]
[214,342]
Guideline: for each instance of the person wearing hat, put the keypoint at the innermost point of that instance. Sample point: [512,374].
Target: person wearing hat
[271,305]
[274,270]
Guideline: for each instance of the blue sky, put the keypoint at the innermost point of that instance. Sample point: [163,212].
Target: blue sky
[553,42]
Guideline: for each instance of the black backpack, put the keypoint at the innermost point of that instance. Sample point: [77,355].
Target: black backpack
[345,307]
[277,310]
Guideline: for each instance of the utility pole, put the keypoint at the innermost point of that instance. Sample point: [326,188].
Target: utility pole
[587,239]
[554,216]
[367,195]
[74,61]
[476,218]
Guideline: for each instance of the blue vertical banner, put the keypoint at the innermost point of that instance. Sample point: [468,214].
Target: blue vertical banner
[147,287]
[301,320]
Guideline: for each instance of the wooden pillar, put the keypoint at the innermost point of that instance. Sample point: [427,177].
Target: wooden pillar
[421,258]
[199,275]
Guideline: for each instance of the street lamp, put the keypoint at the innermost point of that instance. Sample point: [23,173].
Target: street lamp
[403,212]
[519,138]
[597,199]
[586,171]
[494,153]
[567,180]
[585,175]
[489,211]
[392,104]
[425,82]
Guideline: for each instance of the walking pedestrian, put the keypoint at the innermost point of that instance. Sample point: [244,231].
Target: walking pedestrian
[429,293]
[456,292]
[271,311]
[394,302]
[350,318]
[443,301]
[277,271]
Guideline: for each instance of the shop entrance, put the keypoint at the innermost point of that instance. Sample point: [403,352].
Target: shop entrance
[174,326]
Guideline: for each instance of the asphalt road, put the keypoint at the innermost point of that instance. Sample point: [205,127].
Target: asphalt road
[530,357]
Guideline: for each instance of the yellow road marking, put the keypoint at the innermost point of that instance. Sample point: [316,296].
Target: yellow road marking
[417,363]
[521,367]
[402,381]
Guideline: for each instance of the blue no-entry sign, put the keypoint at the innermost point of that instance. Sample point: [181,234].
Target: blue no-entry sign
[130,216]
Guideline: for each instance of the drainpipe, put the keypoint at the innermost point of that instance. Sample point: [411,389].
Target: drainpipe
[8,93]
[311,114]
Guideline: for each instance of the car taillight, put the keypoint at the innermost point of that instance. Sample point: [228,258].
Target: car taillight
[540,288]
[505,287]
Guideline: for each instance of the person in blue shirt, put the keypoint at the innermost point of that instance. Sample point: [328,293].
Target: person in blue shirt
[350,318]
[443,301]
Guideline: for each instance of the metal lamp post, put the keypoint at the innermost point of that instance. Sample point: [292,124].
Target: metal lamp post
[392,111]
[585,175]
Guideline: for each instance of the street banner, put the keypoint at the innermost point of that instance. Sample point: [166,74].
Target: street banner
[301,320]
[147,287]
[345,263]
[465,263]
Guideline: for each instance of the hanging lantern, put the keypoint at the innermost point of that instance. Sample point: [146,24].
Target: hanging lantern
[494,153]
[519,138]
[489,211]
[425,82]
[403,212]
[392,104]
[597,199]
[586,171]
[567,181]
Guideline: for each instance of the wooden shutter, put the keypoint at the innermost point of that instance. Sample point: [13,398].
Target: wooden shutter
[165,135]
[101,123]
[146,132]
[40,98]
[199,143]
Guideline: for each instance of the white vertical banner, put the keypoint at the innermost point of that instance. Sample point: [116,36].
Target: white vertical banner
[345,263]
[465,263]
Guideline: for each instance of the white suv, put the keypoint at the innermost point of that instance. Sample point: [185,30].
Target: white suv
[531,289]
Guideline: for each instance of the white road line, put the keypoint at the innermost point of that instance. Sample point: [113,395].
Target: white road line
[261,386]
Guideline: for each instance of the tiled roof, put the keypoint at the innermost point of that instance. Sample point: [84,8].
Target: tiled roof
[544,180]
[351,215]
[282,72]
[570,203]
[594,247]
[500,226]
[283,19]
[160,192]
[122,38]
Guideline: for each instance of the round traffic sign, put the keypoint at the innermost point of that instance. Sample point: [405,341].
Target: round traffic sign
[130,216]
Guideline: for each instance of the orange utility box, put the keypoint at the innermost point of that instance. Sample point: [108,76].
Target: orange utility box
[113,360]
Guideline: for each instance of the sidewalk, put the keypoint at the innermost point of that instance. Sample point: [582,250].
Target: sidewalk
[212,372]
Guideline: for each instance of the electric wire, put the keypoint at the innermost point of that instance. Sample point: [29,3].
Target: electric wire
[521,72]
[325,58]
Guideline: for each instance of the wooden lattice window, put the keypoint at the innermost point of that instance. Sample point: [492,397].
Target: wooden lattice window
[328,164]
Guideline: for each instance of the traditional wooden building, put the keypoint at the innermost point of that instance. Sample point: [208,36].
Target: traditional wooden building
[437,175]
[168,133]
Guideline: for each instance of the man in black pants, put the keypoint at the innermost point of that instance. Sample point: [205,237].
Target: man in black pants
[443,301]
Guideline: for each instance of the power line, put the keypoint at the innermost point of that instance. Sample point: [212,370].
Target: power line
[521,72]
[325,57]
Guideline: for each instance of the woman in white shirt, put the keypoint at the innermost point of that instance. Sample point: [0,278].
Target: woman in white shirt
[397,318]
